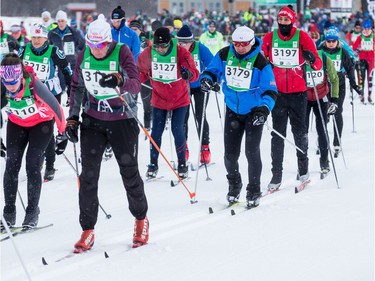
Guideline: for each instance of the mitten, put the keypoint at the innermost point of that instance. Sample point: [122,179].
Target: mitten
[332,107]
[357,89]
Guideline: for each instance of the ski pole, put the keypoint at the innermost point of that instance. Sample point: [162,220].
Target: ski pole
[15,247]
[146,86]
[200,133]
[339,138]
[191,194]
[216,88]
[281,136]
[324,128]
[108,216]
[23,204]
[352,103]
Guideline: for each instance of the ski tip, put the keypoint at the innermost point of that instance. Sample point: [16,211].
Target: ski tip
[106,255]
[232,212]
[210,210]
[44,262]
[295,190]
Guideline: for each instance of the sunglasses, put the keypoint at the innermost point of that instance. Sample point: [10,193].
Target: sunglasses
[10,83]
[98,46]
[331,41]
[117,20]
[242,44]
[161,45]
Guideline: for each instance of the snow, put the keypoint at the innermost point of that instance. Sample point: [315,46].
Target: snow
[324,233]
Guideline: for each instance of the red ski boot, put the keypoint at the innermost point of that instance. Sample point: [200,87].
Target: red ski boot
[205,154]
[86,242]
[140,236]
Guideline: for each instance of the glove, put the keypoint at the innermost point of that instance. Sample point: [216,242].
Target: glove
[308,56]
[260,114]
[332,107]
[185,73]
[61,143]
[111,80]
[216,87]
[3,149]
[206,84]
[144,44]
[357,89]
[71,129]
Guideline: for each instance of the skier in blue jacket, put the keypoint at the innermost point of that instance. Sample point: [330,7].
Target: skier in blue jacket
[249,88]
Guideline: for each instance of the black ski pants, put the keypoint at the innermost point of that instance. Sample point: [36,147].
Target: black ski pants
[322,138]
[338,113]
[292,107]
[122,135]
[235,127]
[37,138]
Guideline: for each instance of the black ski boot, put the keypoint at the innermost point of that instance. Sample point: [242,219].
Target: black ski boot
[235,186]
[183,170]
[31,219]
[49,174]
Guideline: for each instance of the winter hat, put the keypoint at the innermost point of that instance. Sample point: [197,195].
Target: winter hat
[327,24]
[73,22]
[243,34]
[288,11]
[38,30]
[155,25]
[61,15]
[99,31]
[332,34]
[46,14]
[357,23]
[162,35]
[177,23]
[15,28]
[168,22]
[118,13]
[366,24]
[136,24]
[184,34]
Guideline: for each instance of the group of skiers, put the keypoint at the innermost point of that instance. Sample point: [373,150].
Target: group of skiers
[283,74]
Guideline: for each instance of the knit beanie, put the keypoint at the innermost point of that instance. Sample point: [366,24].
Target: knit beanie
[184,34]
[61,15]
[288,11]
[136,24]
[38,30]
[46,14]
[155,25]
[15,28]
[99,31]
[332,34]
[162,35]
[118,13]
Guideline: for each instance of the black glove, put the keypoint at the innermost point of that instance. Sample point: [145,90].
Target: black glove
[61,143]
[260,114]
[357,89]
[206,84]
[144,44]
[332,107]
[308,56]
[216,87]
[111,80]
[185,73]
[71,129]
[3,149]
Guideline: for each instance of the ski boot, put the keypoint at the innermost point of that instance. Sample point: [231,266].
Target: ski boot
[152,171]
[275,183]
[86,242]
[252,199]
[183,171]
[205,154]
[140,236]
[31,219]
[49,174]
[234,188]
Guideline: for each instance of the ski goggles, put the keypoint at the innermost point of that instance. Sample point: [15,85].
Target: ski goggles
[331,41]
[98,45]
[241,44]
[161,45]
[11,73]
[117,20]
